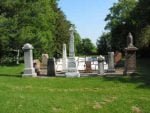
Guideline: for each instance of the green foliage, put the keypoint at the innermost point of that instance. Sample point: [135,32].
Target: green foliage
[39,22]
[104,44]
[144,40]
[84,46]
[78,44]
[87,46]
[120,23]
[129,16]
[141,17]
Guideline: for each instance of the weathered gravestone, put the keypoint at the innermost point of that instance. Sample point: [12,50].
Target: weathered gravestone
[72,70]
[37,65]
[44,60]
[28,60]
[101,65]
[118,57]
[111,64]
[88,68]
[130,56]
[51,71]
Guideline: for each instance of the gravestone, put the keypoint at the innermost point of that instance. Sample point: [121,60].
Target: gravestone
[101,65]
[51,71]
[72,70]
[130,56]
[44,60]
[118,57]
[64,62]
[111,64]
[28,60]
[37,65]
[88,68]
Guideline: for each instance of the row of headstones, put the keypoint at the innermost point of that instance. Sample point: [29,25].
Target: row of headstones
[130,64]
[130,58]
[30,69]
[50,64]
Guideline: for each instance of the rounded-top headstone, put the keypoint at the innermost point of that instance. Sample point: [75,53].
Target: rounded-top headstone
[27,46]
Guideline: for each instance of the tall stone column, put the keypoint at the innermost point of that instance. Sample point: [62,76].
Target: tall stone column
[64,62]
[71,43]
[111,63]
[72,70]
[28,61]
[130,56]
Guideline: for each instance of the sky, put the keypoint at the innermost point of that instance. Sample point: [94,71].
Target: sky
[87,15]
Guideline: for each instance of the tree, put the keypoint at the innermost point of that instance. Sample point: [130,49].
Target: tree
[78,43]
[88,47]
[39,22]
[120,23]
[62,33]
[141,16]
[104,44]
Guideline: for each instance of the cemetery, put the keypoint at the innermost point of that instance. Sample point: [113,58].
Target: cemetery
[73,66]
[47,66]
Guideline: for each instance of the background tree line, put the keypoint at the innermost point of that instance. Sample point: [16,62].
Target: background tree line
[127,16]
[39,22]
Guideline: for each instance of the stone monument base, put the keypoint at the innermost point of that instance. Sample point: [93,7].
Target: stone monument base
[72,74]
[130,62]
[111,70]
[29,73]
[129,72]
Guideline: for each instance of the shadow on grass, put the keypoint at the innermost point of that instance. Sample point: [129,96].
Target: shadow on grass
[142,78]
[10,64]
[10,75]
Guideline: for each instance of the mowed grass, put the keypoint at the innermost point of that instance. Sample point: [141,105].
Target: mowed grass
[115,94]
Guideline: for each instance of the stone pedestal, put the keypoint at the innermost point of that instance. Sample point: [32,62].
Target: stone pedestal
[101,65]
[51,71]
[72,70]
[64,59]
[28,61]
[130,60]
[130,56]
[111,64]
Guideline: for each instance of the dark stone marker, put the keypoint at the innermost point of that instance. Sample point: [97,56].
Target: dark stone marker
[88,68]
[130,57]
[118,57]
[51,67]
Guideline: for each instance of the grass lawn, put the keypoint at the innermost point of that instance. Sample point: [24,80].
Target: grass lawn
[75,95]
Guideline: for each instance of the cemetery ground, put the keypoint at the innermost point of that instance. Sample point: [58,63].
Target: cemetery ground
[116,94]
